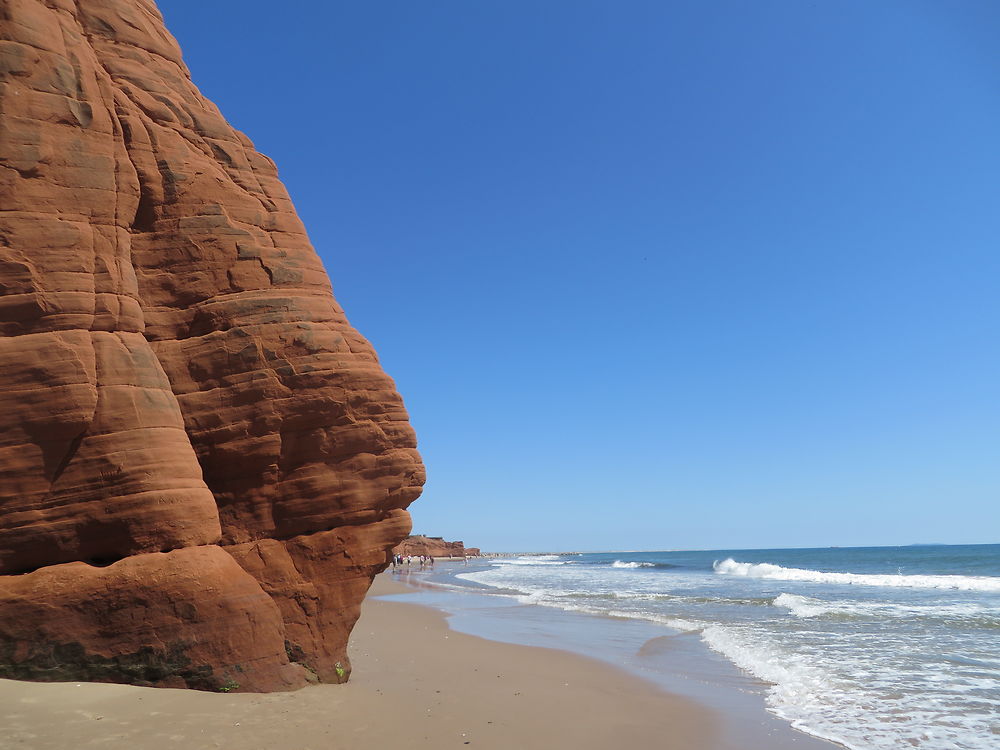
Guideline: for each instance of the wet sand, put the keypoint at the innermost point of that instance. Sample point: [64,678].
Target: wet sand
[416,684]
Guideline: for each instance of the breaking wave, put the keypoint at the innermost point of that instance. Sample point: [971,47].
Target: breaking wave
[534,560]
[804,606]
[779,573]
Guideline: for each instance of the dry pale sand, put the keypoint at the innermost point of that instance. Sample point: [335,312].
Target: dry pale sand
[416,684]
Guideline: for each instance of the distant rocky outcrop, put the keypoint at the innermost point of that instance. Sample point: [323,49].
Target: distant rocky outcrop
[202,465]
[433,546]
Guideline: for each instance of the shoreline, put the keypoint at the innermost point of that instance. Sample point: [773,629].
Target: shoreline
[416,684]
[731,700]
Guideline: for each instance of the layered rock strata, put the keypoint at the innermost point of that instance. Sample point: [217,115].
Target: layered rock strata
[202,464]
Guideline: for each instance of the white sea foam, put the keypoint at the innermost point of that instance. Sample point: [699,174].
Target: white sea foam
[533,597]
[853,699]
[624,564]
[804,606]
[677,623]
[532,560]
[779,573]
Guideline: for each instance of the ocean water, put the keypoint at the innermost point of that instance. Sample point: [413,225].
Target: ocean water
[874,648]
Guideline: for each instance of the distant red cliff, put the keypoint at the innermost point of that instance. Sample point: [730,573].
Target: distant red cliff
[433,546]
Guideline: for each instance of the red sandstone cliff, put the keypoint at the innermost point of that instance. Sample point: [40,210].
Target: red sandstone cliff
[433,546]
[202,464]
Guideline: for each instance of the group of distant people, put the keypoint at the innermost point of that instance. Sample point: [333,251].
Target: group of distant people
[423,560]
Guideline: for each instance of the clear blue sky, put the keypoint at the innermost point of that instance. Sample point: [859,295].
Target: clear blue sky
[654,274]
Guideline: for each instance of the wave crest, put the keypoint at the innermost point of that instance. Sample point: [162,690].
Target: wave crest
[973,614]
[532,560]
[729,566]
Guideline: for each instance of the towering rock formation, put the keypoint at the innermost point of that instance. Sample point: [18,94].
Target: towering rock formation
[202,464]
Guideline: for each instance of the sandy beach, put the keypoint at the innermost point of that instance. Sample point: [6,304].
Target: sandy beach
[416,684]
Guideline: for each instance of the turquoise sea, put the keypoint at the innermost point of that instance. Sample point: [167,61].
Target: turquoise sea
[874,648]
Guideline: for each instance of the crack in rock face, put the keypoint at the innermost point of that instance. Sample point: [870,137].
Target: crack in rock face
[201,461]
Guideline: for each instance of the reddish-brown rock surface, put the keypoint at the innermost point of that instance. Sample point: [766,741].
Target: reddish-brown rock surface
[202,464]
[433,546]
